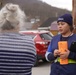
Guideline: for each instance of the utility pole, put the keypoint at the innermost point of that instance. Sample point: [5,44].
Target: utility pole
[1,3]
[74,14]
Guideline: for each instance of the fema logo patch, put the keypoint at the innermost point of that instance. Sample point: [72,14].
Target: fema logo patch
[60,19]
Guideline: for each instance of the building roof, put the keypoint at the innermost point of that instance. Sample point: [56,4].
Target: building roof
[48,22]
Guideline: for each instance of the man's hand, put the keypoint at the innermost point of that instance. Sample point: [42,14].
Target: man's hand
[56,53]
[65,54]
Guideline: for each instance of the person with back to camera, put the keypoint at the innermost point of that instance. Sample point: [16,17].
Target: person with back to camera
[17,51]
[65,27]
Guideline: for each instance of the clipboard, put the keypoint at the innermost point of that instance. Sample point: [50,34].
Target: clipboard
[73,47]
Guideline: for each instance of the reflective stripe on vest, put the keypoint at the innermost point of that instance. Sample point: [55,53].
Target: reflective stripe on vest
[69,60]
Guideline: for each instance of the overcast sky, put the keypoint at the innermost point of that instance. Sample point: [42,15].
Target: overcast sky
[65,4]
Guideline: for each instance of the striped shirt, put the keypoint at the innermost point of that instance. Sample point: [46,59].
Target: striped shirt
[17,54]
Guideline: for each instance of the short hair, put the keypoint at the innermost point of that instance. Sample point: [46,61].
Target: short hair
[11,15]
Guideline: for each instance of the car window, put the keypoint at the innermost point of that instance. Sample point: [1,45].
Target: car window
[46,36]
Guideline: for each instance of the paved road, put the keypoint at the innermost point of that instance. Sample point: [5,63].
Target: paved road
[41,69]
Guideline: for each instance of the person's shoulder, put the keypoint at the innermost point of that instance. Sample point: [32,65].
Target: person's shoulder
[57,36]
[25,37]
[74,34]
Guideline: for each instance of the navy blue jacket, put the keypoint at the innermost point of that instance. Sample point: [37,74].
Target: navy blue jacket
[56,68]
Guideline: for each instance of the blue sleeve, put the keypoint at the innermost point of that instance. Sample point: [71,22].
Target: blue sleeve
[49,55]
[49,48]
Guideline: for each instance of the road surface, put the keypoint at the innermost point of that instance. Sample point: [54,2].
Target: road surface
[42,69]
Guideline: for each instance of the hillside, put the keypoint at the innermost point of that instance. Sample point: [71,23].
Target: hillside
[37,8]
